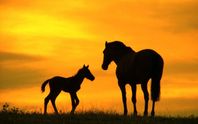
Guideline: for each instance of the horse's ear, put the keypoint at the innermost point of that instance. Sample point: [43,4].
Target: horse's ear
[87,66]
[84,66]
[106,43]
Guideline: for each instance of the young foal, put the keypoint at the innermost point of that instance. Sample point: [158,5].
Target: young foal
[70,85]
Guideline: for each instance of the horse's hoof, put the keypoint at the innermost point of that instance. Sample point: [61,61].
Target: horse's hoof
[134,115]
[145,114]
[125,113]
[56,113]
[152,114]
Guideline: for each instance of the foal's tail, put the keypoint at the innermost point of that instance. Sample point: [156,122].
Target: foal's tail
[44,84]
[156,77]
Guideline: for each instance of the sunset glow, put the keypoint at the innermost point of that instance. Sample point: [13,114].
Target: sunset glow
[41,39]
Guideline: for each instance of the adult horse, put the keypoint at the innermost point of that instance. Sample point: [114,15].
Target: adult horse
[70,85]
[135,68]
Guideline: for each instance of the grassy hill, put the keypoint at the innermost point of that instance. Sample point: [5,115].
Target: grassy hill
[16,116]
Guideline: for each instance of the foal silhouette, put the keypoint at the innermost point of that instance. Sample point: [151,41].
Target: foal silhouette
[70,85]
[135,68]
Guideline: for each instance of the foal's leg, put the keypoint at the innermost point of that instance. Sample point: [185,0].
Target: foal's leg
[75,101]
[134,99]
[53,99]
[46,102]
[123,91]
[146,97]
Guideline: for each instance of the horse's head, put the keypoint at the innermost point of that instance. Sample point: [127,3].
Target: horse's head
[113,52]
[87,73]
[107,56]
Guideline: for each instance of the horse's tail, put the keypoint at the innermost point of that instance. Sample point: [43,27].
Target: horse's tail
[44,84]
[156,77]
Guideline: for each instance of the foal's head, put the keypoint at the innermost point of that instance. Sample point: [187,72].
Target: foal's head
[87,73]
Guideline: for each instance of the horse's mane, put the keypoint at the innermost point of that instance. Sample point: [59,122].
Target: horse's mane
[118,45]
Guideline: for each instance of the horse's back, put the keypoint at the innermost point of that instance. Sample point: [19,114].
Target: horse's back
[157,63]
[147,58]
[137,67]
[147,61]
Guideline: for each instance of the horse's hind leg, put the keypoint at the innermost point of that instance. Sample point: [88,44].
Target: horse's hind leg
[146,97]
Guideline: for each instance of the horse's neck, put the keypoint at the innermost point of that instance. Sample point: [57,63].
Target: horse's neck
[122,55]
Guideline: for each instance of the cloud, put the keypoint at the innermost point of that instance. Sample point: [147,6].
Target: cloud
[184,68]
[18,78]
[7,56]
[17,70]
[178,16]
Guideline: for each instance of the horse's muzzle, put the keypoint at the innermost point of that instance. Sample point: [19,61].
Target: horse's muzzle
[104,67]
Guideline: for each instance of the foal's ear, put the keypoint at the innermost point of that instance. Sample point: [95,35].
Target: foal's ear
[106,44]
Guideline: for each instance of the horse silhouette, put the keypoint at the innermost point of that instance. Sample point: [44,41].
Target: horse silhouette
[135,68]
[70,85]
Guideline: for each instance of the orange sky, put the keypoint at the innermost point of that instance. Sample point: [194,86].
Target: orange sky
[40,39]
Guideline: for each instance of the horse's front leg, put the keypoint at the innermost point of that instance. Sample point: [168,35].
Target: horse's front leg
[123,91]
[133,88]
[146,97]
[153,109]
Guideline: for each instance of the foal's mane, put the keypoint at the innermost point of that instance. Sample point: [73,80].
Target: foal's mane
[78,72]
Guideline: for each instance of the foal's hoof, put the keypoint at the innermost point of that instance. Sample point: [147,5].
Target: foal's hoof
[152,114]
[72,113]
[125,113]
[134,114]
